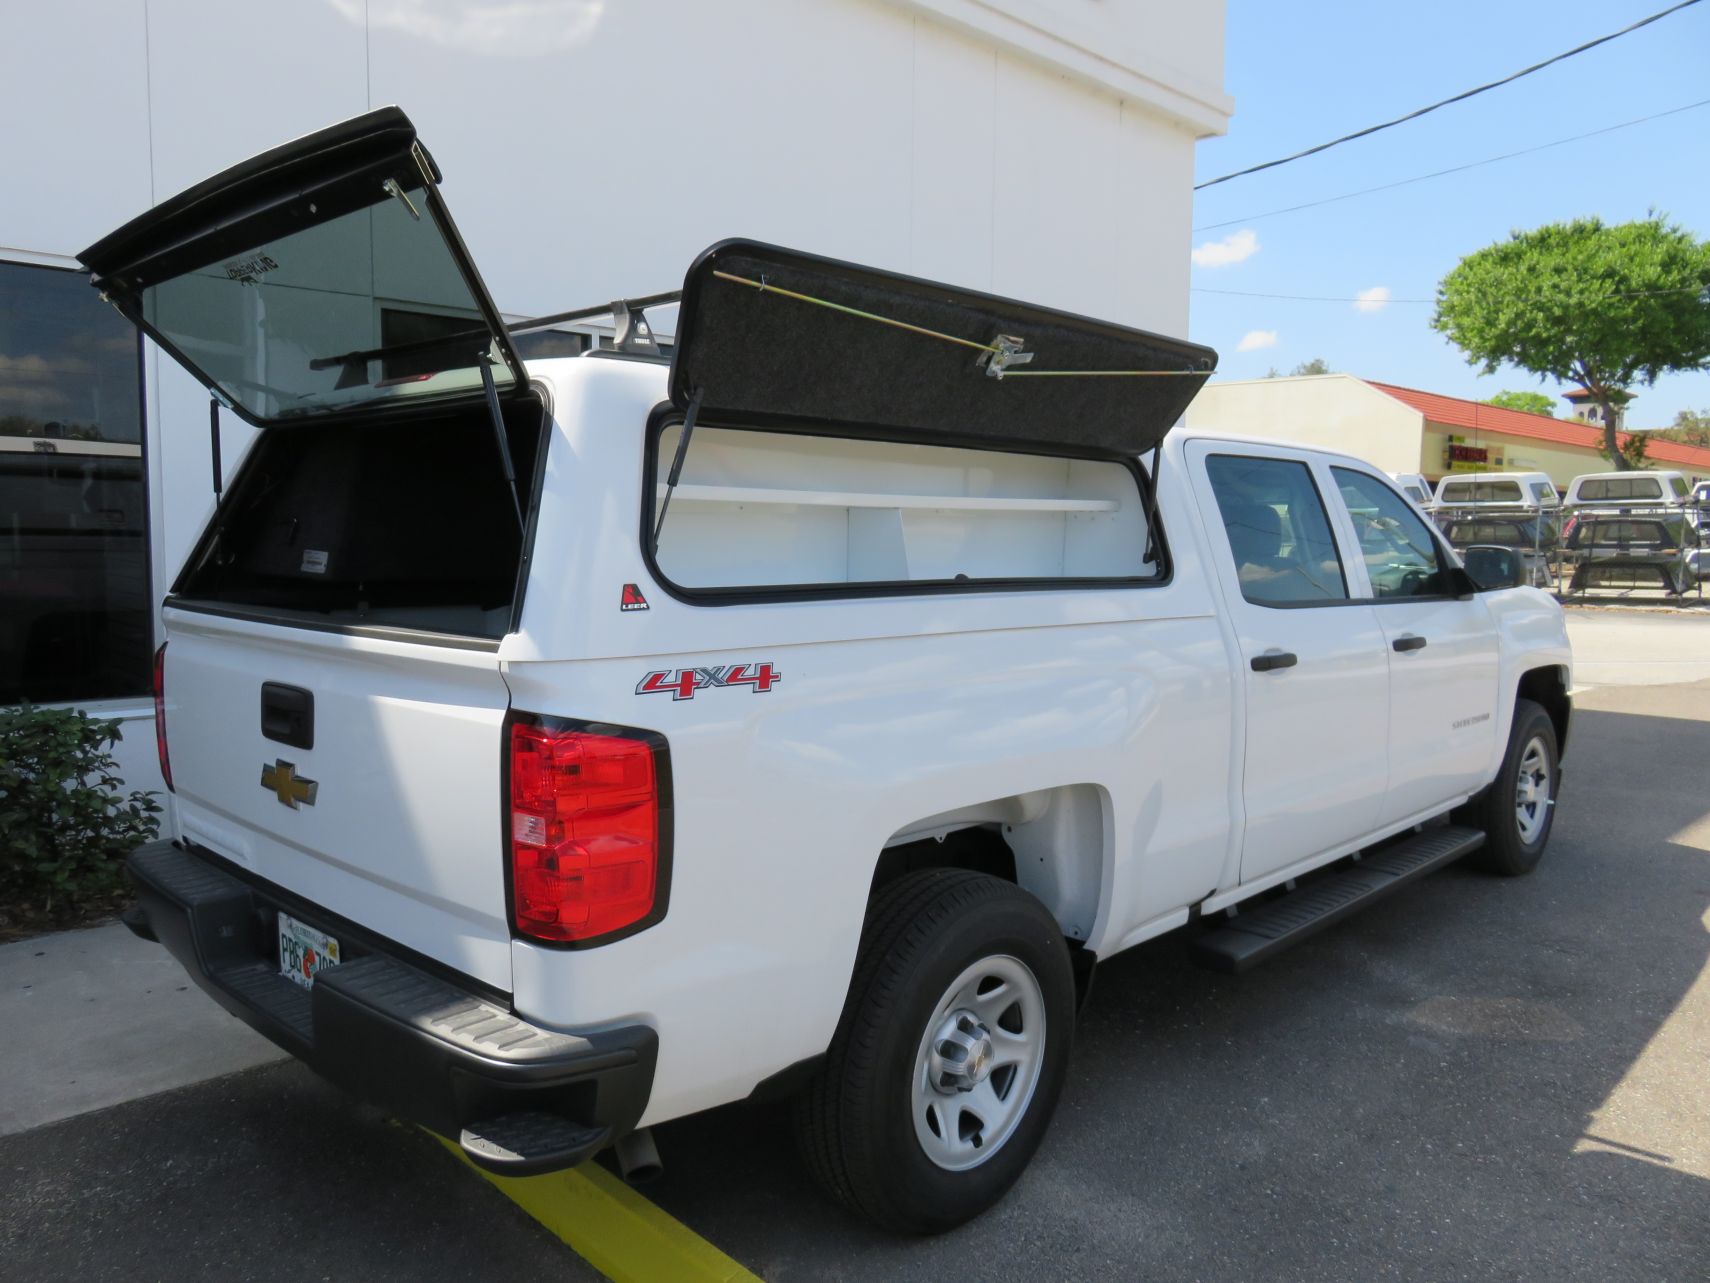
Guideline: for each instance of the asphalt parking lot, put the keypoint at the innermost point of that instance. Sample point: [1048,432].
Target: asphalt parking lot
[1476,1079]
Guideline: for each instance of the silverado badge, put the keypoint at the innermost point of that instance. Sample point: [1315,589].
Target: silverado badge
[292,790]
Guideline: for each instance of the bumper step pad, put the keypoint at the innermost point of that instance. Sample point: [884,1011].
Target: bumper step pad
[524,1144]
[1254,936]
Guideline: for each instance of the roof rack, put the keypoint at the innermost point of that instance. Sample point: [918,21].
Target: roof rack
[634,335]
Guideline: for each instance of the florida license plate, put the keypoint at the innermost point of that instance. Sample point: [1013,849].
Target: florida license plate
[304,952]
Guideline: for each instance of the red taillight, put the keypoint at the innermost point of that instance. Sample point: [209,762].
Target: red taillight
[160,716]
[585,831]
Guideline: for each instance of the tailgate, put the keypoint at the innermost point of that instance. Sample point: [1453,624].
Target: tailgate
[391,818]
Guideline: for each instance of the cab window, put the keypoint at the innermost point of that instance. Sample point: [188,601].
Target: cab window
[1400,554]
[1278,531]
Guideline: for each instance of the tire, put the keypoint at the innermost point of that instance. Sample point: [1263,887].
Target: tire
[866,1119]
[1515,838]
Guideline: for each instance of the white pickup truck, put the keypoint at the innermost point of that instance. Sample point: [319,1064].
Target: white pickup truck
[563,748]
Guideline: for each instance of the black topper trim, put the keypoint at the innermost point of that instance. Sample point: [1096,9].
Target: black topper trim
[776,361]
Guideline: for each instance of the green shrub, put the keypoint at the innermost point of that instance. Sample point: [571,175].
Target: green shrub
[65,828]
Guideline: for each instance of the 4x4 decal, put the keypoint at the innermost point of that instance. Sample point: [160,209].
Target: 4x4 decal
[682,683]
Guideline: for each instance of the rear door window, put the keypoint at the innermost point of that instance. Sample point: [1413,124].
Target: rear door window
[1278,529]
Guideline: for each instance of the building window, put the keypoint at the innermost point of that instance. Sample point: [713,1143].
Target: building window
[74,597]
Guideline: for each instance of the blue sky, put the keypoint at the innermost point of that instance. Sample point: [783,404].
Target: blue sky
[1302,74]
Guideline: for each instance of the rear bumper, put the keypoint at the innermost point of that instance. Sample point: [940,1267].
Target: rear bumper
[419,1046]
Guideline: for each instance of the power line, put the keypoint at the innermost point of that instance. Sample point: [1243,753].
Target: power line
[1337,298]
[1460,97]
[1455,169]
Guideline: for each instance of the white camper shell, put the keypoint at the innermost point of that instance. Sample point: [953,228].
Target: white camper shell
[1630,489]
[1532,490]
[1417,488]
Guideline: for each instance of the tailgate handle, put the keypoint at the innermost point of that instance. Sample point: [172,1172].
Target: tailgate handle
[288,714]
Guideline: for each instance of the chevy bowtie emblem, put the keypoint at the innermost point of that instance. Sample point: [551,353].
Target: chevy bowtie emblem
[290,788]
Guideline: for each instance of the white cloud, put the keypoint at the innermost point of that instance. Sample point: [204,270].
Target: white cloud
[1372,300]
[1253,340]
[1237,247]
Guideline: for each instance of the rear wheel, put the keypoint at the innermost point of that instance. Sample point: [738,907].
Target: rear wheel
[1518,810]
[949,1056]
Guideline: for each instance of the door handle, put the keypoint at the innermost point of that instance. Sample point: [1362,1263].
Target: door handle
[288,714]
[1272,660]
[1408,642]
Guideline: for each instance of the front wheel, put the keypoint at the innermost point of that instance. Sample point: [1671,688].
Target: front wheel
[1518,810]
[950,1054]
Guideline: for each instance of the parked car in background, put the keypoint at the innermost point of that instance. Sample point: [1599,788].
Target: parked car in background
[1417,488]
[1534,536]
[1498,490]
[1620,551]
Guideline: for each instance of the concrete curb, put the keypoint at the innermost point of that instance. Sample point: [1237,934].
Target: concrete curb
[97,1017]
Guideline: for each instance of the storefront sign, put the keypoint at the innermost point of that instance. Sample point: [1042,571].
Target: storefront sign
[1461,457]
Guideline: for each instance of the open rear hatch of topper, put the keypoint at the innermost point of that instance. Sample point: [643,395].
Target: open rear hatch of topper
[773,337]
[322,276]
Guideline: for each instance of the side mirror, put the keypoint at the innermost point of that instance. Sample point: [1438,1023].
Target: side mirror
[1489,567]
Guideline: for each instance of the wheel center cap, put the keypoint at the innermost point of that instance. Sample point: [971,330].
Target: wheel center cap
[962,1053]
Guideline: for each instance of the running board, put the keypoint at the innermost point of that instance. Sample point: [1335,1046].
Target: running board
[1270,928]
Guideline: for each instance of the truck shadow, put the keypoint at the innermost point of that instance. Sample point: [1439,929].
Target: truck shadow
[1476,1077]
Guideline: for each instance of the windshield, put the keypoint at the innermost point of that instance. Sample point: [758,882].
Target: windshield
[296,325]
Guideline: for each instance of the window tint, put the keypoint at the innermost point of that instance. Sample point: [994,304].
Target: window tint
[291,327]
[1482,492]
[1399,552]
[1278,530]
[75,620]
[1544,492]
[1602,489]
[1679,486]
[1624,534]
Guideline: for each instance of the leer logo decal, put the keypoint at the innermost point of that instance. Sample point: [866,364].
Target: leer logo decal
[632,599]
[682,683]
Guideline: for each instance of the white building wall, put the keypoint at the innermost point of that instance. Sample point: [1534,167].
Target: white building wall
[1327,411]
[1036,148]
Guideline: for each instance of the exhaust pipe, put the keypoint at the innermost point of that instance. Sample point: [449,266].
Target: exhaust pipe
[638,1157]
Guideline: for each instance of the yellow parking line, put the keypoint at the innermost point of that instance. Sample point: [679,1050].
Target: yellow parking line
[613,1228]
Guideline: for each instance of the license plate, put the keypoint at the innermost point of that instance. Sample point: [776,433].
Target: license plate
[304,952]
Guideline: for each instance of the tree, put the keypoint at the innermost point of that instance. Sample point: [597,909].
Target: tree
[1690,427]
[1315,366]
[1606,307]
[1525,402]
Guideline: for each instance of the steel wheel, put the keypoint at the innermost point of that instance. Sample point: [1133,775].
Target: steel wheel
[978,1063]
[1532,799]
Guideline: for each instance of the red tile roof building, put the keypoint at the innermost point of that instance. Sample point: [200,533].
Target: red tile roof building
[1476,415]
